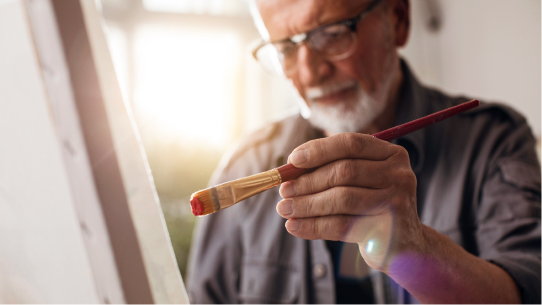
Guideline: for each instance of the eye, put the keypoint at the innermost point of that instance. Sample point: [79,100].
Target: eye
[286,48]
[329,36]
[335,30]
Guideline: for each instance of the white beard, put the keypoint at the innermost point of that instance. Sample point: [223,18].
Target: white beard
[351,115]
[347,116]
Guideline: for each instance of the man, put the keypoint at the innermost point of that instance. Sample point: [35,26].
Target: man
[448,214]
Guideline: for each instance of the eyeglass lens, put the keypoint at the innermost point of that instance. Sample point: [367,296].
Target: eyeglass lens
[333,41]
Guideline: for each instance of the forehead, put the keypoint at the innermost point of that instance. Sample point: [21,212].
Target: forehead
[285,18]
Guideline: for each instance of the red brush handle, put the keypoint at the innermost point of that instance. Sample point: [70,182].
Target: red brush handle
[401,130]
[289,172]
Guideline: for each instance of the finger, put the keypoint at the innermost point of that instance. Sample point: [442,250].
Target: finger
[347,228]
[333,227]
[341,146]
[361,173]
[335,201]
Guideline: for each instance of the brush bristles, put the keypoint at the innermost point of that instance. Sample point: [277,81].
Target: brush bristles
[202,203]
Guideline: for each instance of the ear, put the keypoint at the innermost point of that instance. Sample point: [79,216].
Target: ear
[401,16]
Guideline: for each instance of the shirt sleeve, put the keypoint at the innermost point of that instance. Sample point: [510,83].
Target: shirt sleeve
[508,219]
[215,255]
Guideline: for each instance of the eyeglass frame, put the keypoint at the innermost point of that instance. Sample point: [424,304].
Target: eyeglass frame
[298,39]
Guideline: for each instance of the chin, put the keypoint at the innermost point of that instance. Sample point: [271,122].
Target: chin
[347,116]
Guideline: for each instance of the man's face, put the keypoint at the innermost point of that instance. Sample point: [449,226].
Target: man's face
[349,93]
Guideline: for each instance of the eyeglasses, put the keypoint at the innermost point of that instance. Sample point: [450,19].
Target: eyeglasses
[335,41]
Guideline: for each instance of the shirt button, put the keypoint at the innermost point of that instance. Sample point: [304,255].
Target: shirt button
[319,270]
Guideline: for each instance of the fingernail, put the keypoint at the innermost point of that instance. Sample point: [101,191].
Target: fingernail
[287,189]
[285,207]
[298,157]
[292,225]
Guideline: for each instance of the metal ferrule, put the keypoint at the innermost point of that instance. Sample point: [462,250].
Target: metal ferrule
[232,192]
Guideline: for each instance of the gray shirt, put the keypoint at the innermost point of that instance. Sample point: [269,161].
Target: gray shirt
[478,183]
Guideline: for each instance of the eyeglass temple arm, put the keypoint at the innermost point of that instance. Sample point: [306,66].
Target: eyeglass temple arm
[354,21]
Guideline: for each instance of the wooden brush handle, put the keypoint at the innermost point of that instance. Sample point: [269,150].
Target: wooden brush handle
[289,172]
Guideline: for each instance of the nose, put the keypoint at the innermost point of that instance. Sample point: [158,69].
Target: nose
[312,68]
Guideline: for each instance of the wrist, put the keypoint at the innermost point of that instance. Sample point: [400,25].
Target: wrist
[429,270]
[413,254]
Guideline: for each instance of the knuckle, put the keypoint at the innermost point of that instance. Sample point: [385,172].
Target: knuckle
[410,179]
[303,184]
[307,206]
[325,227]
[345,172]
[317,226]
[333,177]
[401,155]
[306,227]
[327,203]
[405,179]
[340,227]
[353,142]
[348,199]
[407,175]
[318,149]
[396,202]
[306,184]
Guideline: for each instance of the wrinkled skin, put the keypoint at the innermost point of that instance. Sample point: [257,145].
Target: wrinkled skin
[364,190]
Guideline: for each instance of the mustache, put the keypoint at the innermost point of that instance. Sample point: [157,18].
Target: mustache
[320,91]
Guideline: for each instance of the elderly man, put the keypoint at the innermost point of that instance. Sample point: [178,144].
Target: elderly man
[448,214]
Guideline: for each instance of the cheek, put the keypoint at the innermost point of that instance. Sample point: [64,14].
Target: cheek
[361,68]
[371,56]
[299,87]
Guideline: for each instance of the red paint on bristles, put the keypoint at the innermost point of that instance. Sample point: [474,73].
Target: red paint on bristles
[197,206]
[289,172]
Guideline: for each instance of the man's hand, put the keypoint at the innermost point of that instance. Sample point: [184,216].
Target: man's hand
[363,191]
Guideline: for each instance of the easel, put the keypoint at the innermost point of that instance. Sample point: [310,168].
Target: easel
[82,222]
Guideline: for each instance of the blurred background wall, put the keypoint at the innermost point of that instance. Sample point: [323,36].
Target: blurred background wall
[185,69]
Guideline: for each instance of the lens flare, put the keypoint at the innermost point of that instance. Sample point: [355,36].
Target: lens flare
[370,245]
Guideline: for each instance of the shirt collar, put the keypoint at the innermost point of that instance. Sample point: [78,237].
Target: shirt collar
[412,105]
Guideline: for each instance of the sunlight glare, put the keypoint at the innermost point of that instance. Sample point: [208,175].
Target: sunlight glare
[185,80]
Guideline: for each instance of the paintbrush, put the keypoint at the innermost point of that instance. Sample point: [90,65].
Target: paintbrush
[227,194]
